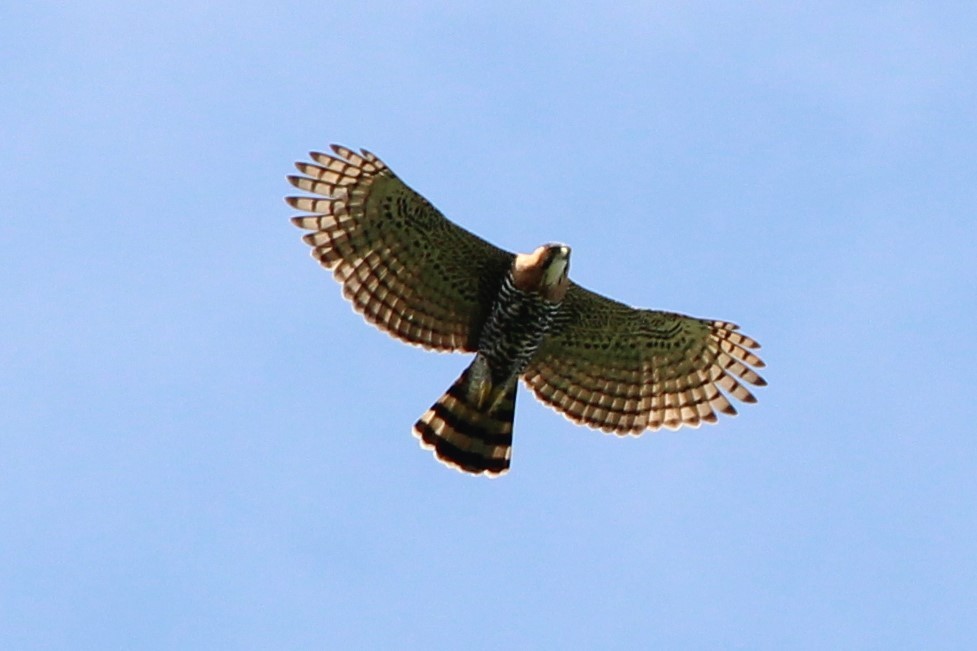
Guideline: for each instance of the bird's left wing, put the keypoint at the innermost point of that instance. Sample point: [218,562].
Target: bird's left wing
[403,265]
[625,370]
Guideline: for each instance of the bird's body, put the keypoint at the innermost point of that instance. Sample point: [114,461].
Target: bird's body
[524,311]
[472,423]
[429,282]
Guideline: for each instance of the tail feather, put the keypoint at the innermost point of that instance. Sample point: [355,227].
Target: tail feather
[468,437]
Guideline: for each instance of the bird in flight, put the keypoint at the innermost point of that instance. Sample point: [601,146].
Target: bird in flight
[427,281]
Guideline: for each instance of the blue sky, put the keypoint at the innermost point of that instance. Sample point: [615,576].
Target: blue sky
[203,447]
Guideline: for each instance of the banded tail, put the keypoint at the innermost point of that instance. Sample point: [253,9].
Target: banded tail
[466,436]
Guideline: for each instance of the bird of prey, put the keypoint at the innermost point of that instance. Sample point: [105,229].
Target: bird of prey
[429,282]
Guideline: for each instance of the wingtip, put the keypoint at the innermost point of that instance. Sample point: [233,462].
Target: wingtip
[293,202]
[341,151]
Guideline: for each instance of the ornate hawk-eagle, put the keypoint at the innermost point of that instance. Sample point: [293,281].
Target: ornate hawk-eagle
[427,281]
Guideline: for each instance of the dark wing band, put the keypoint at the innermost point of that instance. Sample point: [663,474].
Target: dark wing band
[404,266]
[624,370]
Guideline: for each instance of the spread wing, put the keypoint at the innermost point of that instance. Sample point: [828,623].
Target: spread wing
[402,264]
[624,370]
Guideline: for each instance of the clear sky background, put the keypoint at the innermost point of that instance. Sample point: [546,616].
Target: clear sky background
[203,447]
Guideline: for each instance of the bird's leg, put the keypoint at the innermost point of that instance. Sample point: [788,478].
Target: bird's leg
[483,392]
[500,394]
[479,382]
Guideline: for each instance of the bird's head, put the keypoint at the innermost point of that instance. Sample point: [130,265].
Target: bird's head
[545,271]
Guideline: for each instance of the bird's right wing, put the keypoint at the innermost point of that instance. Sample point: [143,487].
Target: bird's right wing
[624,370]
[408,269]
